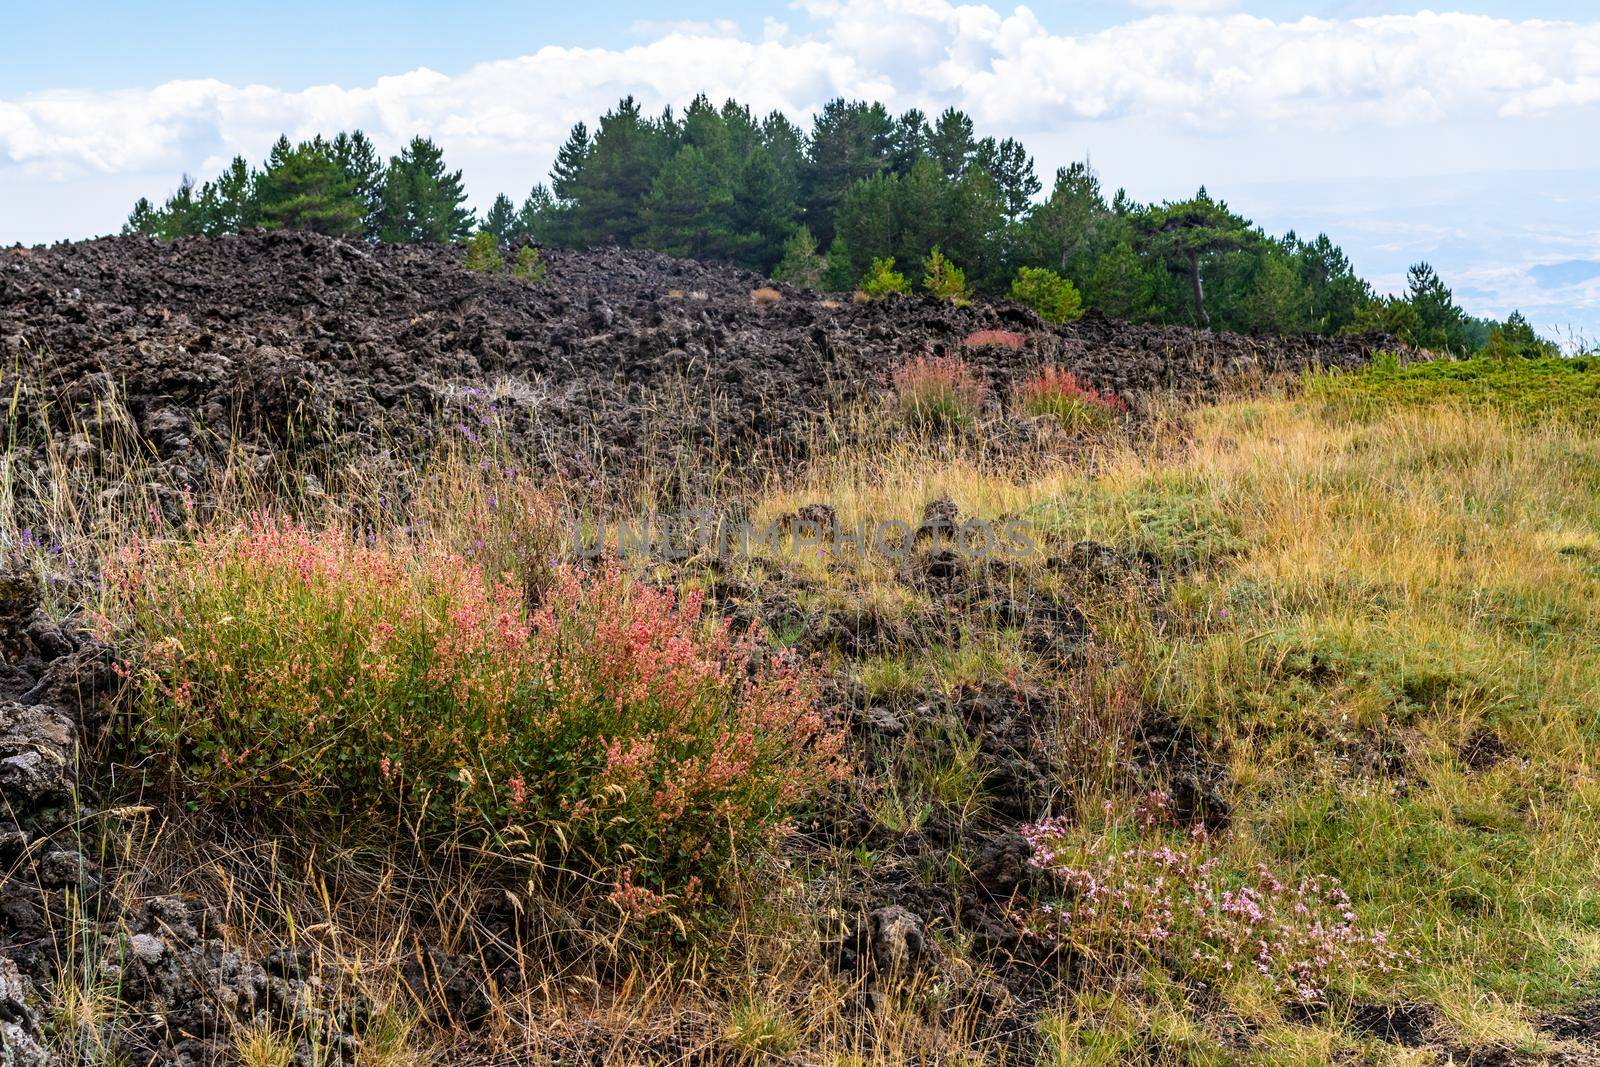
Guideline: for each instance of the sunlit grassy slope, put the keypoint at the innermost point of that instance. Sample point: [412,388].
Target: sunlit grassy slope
[1371,604]
[1382,613]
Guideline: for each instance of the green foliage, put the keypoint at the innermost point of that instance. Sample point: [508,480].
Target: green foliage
[801,265]
[839,275]
[483,253]
[1392,315]
[304,188]
[882,279]
[540,217]
[324,186]
[423,203]
[943,279]
[1189,235]
[143,220]
[722,184]
[1055,298]
[1125,286]
[607,732]
[1441,325]
[687,209]
[1536,387]
[530,265]
[1515,339]
[355,154]
[1073,229]
[1277,301]
[501,220]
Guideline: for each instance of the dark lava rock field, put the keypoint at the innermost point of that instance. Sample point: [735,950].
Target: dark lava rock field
[264,339]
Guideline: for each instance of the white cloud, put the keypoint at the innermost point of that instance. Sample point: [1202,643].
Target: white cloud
[1359,117]
[1213,74]
[1188,7]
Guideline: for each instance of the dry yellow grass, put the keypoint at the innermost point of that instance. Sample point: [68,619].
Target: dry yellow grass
[1402,585]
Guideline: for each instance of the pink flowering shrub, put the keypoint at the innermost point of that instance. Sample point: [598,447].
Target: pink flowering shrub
[1139,893]
[938,391]
[609,731]
[994,339]
[1053,391]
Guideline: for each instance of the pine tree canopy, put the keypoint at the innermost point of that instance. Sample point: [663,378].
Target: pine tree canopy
[718,183]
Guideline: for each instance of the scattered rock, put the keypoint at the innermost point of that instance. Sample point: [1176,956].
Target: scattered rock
[896,940]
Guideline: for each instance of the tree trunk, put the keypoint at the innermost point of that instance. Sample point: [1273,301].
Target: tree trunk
[1200,315]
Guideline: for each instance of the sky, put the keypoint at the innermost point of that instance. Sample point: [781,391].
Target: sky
[1467,134]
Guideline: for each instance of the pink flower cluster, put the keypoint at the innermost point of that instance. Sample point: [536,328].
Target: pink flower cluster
[1169,897]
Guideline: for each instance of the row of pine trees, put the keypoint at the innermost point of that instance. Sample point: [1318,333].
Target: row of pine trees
[820,208]
[339,187]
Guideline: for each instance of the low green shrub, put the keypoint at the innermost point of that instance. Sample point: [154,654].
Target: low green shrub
[802,264]
[530,265]
[943,279]
[883,279]
[1055,298]
[483,253]
[1520,387]
[609,731]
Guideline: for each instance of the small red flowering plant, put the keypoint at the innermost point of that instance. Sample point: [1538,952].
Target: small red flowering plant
[610,731]
[994,339]
[1138,892]
[1075,405]
[939,392]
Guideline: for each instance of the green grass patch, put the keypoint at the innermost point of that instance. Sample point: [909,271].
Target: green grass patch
[1522,388]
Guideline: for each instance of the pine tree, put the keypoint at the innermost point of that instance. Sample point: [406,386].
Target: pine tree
[569,164]
[355,153]
[501,219]
[839,276]
[1334,290]
[762,214]
[785,145]
[685,213]
[1189,234]
[976,229]
[867,222]
[850,142]
[1278,301]
[1123,286]
[1515,338]
[539,218]
[922,200]
[801,265]
[910,141]
[1064,232]
[143,220]
[303,187]
[1009,164]
[422,202]
[1441,325]
[618,172]
[952,143]
[228,203]
[182,211]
